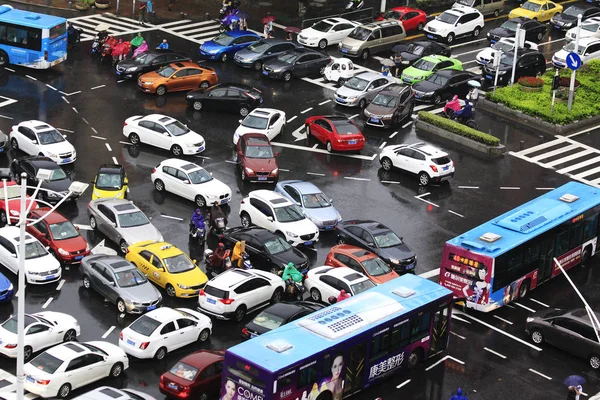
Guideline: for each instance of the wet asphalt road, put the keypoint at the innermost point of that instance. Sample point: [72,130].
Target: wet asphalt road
[491,355]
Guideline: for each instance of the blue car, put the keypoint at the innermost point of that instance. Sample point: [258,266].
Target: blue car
[314,203]
[226,44]
[6,289]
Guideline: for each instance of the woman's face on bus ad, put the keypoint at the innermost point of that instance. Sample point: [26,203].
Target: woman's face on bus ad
[336,367]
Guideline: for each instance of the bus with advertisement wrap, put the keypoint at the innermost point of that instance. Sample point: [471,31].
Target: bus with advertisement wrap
[31,39]
[505,258]
[344,348]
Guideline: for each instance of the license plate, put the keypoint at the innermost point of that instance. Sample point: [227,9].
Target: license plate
[352,142]
[340,100]
[77,258]
[261,101]
[30,379]
[407,80]
[150,308]
[66,160]
[344,51]
[173,386]
[493,41]
[130,342]
[446,168]
[1,149]
[308,243]
[140,84]
[224,201]
[329,227]
[200,149]
[417,95]
[118,72]
[211,301]
[262,178]
[488,77]
[253,335]
[429,36]
[50,277]
[265,73]
[0,341]
[557,27]
[411,266]
[483,61]
[374,120]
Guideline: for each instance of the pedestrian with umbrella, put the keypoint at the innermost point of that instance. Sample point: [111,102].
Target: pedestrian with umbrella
[290,32]
[267,21]
[243,16]
[142,12]
[473,94]
[386,64]
[574,384]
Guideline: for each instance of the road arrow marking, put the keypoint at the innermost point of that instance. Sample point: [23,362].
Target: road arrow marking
[300,133]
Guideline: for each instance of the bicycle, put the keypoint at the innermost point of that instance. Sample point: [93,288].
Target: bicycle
[468,122]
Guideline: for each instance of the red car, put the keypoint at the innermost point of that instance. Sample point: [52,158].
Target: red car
[58,233]
[360,260]
[256,158]
[411,18]
[13,194]
[197,376]
[338,133]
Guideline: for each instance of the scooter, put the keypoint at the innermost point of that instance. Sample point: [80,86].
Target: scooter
[213,266]
[99,40]
[246,261]
[197,234]
[225,8]
[355,5]
[295,290]
[219,226]
[229,21]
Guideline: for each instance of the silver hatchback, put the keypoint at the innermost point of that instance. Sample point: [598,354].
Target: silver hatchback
[361,89]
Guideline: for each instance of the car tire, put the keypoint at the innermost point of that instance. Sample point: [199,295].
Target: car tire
[240,313]
[200,201]
[329,147]
[437,99]
[123,246]
[160,353]
[450,38]
[70,335]
[177,150]
[420,26]
[3,217]
[224,57]
[93,224]
[64,391]
[585,255]
[257,65]
[245,220]
[387,164]
[594,361]
[524,288]
[14,144]
[365,54]
[161,90]
[424,178]
[287,76]
[307,131]
[496,13]
[4,61]
[116,370]
[537,336]
[197,105]
[159,185]
[540,36]
[244,111]
[277,296]
[322,44]
[476,31]
[415,358]
[204,85]
[121,306]
[86,282]
[204,335]
[134,138]
[315,295]
[27,353]
[340,240]
[362,103]
[170,290]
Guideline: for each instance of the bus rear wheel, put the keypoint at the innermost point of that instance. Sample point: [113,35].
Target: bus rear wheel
[3,59]
[415,358]
[524,288]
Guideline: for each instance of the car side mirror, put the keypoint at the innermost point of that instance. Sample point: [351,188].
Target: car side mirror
[270,219]
[459,24]
[111,283]
[47,248]
[34,142]
[330,201]
[194,261]
[113,224]
[166,133]
[13,255]
[269,52]
[276,154]
[162,269]
[370,244]
[186,182]
[65,136]
[76,227]
[126,181]
[240,121]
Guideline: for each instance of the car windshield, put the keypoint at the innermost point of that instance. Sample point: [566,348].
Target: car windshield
[503,46]
[415,49]
[359,33]
[529,6]
[376,267]
[289,214]
[361,286]
[130,278]
[510,25]
[129,220]
[179,263]
[12,192]
[50,137]
[11,324]
[223,39]
[184,371]
[141,58]
[424,65]
[200,176]
[392,14]
[58,174]
[447,18]
[109,181]
[593,27]
[33,250]
[506,60]
[258,47]
[166,71]
[385,100]
[437,79]
[573,11]
[387,239]
[46,363]
[176,128]
[315,200]
[277,246]
[322,26]
[571,47]
[63,230]
[268,320]
[144,325]
[259,152]
[288,58]
[255,122]
[357,83]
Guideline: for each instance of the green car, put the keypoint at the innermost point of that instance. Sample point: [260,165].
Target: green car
[426,66]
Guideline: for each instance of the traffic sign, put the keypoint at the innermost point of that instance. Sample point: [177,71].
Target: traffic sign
[573,61]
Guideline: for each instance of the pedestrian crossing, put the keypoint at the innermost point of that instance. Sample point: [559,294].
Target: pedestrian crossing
[8,384]
[117,25]
[567,157]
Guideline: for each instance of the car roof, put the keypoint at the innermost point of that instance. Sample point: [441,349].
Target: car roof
[428,149]
[40,162]
[163,314]
[12,233]
[379,24]
[67,351]
[592,20]
[347,274]
[202,358]
[369,75]
[185,64]
[255,231]
[231,278]
[273,198]
[115,263]
[256,139]
[448,73]
[38,126]
[163,119]
[265,112]
[232,85]
[119,206]
[353,251]
[113,168]
[396,89]
[461,11]
[519,20]
[581,315]
[179,163]
[436,57]
[53,218]
[238,33]
[586,41]
[104,393]
[335,20]
[302,186]
[284,310]
[303,50]
[161,249]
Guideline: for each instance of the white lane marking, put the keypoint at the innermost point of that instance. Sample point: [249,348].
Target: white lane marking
[98,87]
[461,319]
[84,227]
[407,124]
[112,328]
[495,353]
[356,179]
[315,174]
[509,306]
[74,109]
[468,43]
[354,116]
[128,143]
[550,42]
[5,117]
[382,145]
[174,23]
[8,69]
[406,382]
[60,284]
[539,302]
[545,188]
[423,195]
[455,312]
[231,162]
[393,134]
[503,320]
[430,274]
[464,54]
[323,151]
[65,99]
[444,359]
[65,130]
[540,374]
[509,188]
[94,130]
[455,213]
[52,87]
[584,131]
[291,119]
[86,121]
[121,81]
[307,110]
[315,145]
[525,307]
[428,202]
[47,303]
[460,336]
[170,217]
[115,160]
[108,146]
[69,94]
[394,182]
[468,187]
[324,102]
[31,77]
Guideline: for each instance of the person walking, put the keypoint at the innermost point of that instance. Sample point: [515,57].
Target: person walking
[142,13]
[574,392]
[459,395]
[149,11]
[472,96]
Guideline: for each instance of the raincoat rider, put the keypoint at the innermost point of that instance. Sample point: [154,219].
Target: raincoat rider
[459,395]
[237,256]
[215,213]
[464,114]
[342,296]
[290,272]
[198,219]
[452,106]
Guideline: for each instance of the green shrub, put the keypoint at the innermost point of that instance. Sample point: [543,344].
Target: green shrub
[458,128]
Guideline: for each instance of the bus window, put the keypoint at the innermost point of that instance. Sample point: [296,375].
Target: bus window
[562,241]
[34,39]
[57,31]
[400,335]
[16,35]
[2,33]
[380,345]
[419,327]
[307,376]
[576,235]
[590,228]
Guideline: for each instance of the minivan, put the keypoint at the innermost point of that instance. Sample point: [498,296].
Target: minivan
[372,38]
[485,7]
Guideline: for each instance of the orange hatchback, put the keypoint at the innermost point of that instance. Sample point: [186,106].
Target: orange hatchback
[362,261]
[176,77]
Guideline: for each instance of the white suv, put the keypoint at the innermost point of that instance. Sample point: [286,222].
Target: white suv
[589,49]
[324,282]
[235,292]
[455,23]
[428,162]
[504,45]
[272,211]
[589,28]
[326,32]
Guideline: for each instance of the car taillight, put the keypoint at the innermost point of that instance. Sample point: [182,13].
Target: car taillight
[433,167]
[245,332]
[10,346]
[121,335]
[226,301]
[249,95]
[162,379]
[153,170]
[125,123]
[201,293]
[185,389]
[44,382]
[45,56]
[452,161]
[144,345]
[242,202]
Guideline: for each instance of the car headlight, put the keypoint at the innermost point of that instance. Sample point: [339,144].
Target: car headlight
[11,287]
[52,194]
[63,252]
[249,170]
[189,96]
[275,171]
[418,78]
[15,213]
[405,62]
[190,144]
[51,155]
[183,286]
[131,69]
[387,116]
[276,70]
[394,261]
[501,72]
[530,319]
[428,94]
[431,29]
[291,234]
[87,247]
[352,98]
[147,83]
[96,193]
[33,273]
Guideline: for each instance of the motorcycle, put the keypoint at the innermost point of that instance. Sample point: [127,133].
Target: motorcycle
[229,21]
[295,290]
[214,266]
[98,42]
[225,8]
[219,226]
[355,5]
[197,234]
[107,47]
[120,51]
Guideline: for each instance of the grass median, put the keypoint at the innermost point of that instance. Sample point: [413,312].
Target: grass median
[458,128]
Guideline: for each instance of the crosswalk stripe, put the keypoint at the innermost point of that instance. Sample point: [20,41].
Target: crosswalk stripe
[570,158]
[206,36]
[187,26]
[555,152]
[168,24]
[579,165]
[539,147]
[587,173]
[195,30]
[116,24]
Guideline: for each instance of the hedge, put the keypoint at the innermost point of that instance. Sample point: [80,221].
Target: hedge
[458,128]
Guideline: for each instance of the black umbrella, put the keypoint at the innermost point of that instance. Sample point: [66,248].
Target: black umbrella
[399,48]
[574,380]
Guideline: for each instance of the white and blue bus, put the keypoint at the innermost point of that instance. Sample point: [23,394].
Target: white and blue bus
[31,39]
[344,348]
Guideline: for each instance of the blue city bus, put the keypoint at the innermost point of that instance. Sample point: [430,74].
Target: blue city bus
[31,39]
[344,348]
[503,259]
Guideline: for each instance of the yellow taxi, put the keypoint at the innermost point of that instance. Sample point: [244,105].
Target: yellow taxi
[110,182]
[168,267]
[539,10]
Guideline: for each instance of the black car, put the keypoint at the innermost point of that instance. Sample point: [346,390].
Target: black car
[390,107]
[277,315]
[53,189]
[147,62]
[378,239]
[534,30]
[568,18]
[442,85]
[299,62]
[228,97]
[421,48]
[529,63]
[267,251]
[255,55]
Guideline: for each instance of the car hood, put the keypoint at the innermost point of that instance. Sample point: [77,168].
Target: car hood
[294,255]
[409,56]
[247,54]
[565,18]
[151,77]
[72,244]
[561,54]
[15,204]
[276,64]
[261,164]
[379,110]
[521,12]
[146,292]
[439,26]
[312,33]
[425,87]
[58,186]
[139,233]
[348,41]
[400,252]
[303,227]
[58,148]
[214,186]
[212,46]
[412,72]
[128,64]
[190,137]
[322,214]
[42,264]
[349,92]
[501,32]
[255,328]
[486,53]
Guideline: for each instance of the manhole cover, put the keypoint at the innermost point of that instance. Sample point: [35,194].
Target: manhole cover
[265,3]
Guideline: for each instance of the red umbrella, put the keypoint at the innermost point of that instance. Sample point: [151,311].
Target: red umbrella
[292,29]
[267,19]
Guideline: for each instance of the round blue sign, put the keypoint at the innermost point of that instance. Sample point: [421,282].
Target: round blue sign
[573,61]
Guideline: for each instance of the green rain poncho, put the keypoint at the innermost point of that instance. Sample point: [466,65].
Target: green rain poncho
[137,41]
[291,272]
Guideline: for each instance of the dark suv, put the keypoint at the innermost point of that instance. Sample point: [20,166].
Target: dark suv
[229,97]
[390,107]
[147,62]
[529,63]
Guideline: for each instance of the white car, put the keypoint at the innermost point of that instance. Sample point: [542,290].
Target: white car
[111,393]
[339,70]
[163,330]
[37,137]
[504,45]
[189,181]
[163,132]
[60,369]
[326,32]
[324,282]
[589,28]
[42,330]
[589,49]
[455,23]
[40,266]
[429,163]
[267,121]
[236,292]
[275,213]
